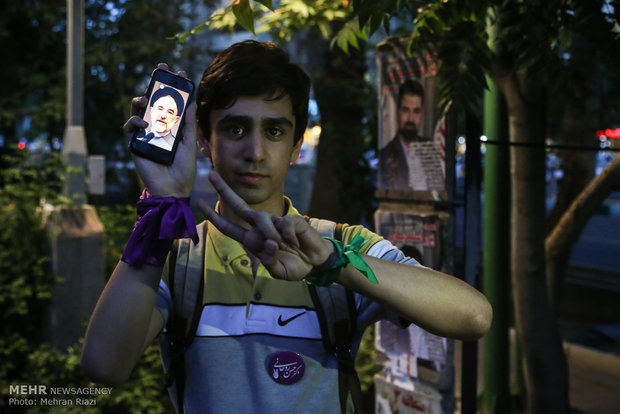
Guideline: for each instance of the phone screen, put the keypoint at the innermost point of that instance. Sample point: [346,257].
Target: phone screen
[168,97]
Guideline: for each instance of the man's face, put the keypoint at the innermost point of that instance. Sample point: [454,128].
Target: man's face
[163,115]
[252,146]
[410,113]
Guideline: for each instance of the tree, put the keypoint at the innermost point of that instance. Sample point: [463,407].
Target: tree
[124,43]
[526,64]
[527,61]
[32,38]
[341,94]
[117,64]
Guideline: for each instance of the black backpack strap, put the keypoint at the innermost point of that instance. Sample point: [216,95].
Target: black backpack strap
[337,314]
[335,308]
[186,280]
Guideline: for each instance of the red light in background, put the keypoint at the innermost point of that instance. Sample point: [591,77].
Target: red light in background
[21,145]
[609,133]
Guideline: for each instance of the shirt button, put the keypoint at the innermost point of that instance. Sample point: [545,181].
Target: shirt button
[244,262]
[258,296]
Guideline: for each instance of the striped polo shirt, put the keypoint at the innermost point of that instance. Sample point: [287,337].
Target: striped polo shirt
[248,319]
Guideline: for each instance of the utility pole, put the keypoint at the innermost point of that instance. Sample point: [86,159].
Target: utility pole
[76,232]
[74,150]
[496,251]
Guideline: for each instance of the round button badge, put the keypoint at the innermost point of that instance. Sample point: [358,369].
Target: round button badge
[286,367]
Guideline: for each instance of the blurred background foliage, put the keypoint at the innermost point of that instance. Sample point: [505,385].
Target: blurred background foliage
[29,187]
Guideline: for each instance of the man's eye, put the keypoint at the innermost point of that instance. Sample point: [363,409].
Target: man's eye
[274,132]
[236,130]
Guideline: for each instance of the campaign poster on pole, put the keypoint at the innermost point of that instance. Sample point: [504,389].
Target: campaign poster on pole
[412,358]
[411,135]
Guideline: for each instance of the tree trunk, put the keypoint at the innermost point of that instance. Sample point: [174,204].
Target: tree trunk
[342,189]
[546,372]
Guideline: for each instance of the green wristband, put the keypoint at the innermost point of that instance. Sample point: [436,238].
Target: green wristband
[328,272]
[352,252]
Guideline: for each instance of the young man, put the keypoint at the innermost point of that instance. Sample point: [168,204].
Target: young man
[257,313]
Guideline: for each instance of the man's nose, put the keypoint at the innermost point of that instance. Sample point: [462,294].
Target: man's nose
[410,117]
[254,148]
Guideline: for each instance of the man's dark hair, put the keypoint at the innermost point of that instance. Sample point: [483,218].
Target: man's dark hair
[410,87]
[171,92]
[252,68]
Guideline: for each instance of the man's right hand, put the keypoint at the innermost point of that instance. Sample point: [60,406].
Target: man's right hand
[177,179]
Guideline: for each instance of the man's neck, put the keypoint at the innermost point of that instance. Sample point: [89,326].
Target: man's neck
[275,206]
[407,141]
[403,139]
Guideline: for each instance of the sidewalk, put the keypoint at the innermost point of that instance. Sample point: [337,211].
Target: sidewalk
[594,379]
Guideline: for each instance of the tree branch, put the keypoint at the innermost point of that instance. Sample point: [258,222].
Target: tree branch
[572,222]
[559,243]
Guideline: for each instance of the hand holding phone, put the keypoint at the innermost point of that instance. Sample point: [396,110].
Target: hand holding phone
[168,97]
[174,175]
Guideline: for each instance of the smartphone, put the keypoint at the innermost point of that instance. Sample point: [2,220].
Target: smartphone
[168,97]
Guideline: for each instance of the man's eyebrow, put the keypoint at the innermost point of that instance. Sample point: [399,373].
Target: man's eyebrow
[235,119]
[277,121]
[248,120]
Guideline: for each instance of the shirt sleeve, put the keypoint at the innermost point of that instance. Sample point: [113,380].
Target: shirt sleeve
[387,251]
[349,232]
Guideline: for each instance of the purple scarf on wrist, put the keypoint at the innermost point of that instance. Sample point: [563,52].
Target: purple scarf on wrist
[160,221]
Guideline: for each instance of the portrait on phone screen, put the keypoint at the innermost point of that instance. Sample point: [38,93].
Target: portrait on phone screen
[411,138]
[163,113]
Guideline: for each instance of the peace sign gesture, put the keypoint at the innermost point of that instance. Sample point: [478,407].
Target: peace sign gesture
[287,246]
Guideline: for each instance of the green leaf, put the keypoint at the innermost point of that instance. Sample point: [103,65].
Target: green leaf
[266,3]
[243,12]
[182,37]
[353,40]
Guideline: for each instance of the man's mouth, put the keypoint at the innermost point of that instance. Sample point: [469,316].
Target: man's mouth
[251,177]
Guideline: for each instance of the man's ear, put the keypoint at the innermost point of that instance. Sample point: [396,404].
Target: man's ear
[296,150]
[203,143]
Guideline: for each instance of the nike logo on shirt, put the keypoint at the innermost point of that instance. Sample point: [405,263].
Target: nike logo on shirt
[286,321]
